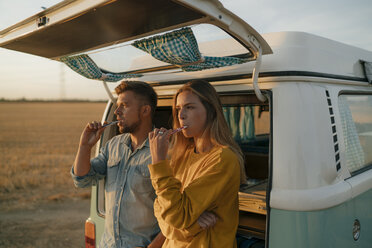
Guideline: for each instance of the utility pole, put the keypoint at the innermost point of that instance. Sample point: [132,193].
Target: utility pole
[62,89]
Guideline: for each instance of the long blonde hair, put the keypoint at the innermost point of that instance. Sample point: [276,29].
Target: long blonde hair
[216,130]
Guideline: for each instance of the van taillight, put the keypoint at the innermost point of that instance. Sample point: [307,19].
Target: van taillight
[90,234]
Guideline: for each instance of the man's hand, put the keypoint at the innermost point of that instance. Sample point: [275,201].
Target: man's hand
[91,134]
[207,220]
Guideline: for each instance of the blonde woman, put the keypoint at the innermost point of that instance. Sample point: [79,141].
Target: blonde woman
[197,185]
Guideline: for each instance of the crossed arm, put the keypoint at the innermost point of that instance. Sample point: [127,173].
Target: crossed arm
[206,220]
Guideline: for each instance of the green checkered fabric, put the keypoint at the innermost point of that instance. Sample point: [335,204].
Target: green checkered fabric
[180,48]
[86,67]
[214,62]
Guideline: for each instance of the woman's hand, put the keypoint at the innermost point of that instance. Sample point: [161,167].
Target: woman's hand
[159,143]
[207,220]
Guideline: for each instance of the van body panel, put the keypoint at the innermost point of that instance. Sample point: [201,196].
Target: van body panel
[360,183]
[299,51]
[311,199]
[97,209]
[299,163]
[332,227]
[305,173]
[97,218]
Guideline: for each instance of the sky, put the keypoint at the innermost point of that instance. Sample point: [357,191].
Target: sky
[33,77]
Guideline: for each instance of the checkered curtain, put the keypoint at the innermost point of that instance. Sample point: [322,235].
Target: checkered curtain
[180,48]
[86,67]
[353,149]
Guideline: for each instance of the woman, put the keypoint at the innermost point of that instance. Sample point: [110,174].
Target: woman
[202,177]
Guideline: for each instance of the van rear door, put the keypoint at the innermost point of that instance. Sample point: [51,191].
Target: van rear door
[76,26]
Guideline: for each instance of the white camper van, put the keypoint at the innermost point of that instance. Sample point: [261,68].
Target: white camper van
[299,105]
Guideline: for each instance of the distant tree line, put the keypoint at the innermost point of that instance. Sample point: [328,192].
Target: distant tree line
[23,99]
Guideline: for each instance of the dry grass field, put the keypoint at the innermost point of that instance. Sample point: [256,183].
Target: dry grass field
[39,205]
[38,142]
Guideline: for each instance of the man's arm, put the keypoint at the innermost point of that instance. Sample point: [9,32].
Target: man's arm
[157,242]
[91,134]
[206,220]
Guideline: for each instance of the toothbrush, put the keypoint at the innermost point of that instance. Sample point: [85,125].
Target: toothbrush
[111,123]
[178,129]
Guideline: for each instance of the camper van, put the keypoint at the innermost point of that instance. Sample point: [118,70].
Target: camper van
[299,106]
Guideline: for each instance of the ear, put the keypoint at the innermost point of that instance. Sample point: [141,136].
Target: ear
[146,110]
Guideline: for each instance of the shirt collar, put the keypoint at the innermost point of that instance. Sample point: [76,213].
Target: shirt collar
[128,143]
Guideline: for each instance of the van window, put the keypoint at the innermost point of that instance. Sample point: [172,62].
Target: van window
[356,119]
[249,123]
[250,127]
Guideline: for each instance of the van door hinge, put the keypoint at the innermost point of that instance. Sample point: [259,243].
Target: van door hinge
[255,73]
[42,21]
[112,98]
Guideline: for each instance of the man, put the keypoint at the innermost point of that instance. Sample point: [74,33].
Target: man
[123,161]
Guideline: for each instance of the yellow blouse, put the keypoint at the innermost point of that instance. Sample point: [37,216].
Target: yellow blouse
[202,182]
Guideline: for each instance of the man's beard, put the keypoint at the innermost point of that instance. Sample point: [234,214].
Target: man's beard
[132,128]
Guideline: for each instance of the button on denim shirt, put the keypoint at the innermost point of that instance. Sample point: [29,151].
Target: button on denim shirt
[129,194]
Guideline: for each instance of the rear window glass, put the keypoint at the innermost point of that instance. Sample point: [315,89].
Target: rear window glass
[124,57]
[248,123]
[356,121]
[250,126]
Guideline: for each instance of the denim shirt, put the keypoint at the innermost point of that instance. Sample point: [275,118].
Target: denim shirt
[129,195]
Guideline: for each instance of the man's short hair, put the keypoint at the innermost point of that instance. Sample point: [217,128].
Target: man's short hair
[142,90]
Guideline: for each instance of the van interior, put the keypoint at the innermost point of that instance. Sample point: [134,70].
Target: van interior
[249,122]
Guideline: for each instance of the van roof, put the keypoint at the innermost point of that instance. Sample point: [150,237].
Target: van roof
[294,54]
